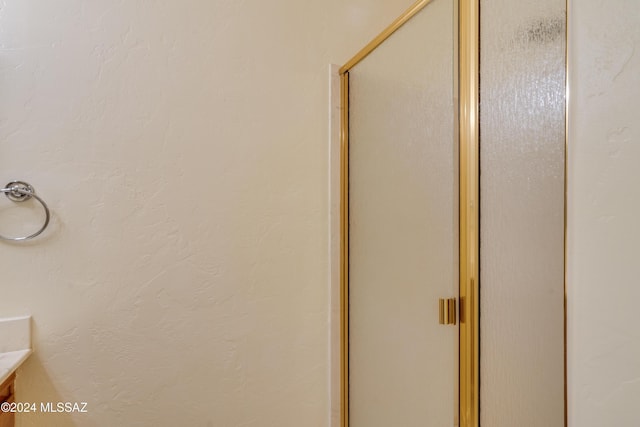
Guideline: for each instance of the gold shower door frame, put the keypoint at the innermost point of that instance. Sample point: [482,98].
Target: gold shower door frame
[468,107]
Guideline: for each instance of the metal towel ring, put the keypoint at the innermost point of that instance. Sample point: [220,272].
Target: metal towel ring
[19,191]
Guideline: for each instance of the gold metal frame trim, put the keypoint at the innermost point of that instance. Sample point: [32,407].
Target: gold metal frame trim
[377,41]
[567,93]
[469,90]
[344,249]
[468,76]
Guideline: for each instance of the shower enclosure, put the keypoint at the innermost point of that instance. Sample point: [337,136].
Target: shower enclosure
[416,276]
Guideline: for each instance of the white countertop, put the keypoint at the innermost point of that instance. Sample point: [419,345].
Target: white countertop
[15,344]
[10,361]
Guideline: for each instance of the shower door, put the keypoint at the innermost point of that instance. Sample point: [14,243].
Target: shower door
[403,225]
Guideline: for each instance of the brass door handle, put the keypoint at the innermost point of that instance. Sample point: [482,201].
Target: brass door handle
[448,315]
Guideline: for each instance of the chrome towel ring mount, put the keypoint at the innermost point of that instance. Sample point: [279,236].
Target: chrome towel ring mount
[20,191]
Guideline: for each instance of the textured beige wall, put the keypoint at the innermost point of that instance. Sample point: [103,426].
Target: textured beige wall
[182,147]
[603,211]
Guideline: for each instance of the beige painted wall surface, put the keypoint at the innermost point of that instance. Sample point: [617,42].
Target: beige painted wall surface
[182,147]
[603,211]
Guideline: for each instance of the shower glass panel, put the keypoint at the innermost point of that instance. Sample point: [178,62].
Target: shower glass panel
[403,226]
[522,72]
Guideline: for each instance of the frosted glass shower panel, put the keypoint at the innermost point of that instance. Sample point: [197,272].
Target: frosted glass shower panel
[403,206]
[522,213]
